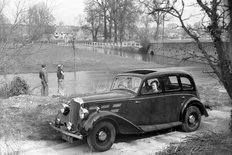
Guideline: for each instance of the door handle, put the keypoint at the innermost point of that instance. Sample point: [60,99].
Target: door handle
[137,102]
[183,97]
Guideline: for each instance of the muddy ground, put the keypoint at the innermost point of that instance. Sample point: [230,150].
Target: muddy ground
[31,141]
[24,120]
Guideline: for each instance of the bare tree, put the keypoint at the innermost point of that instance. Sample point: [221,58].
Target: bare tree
[127,18]
[144,32]
[93,19]
[216,21]
[14,44]
[40,21]
[103,4]
[123,16]
[158,16]
[111,18]
[12,41]
[3,21]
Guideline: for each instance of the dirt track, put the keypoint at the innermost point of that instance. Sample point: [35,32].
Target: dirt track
[218,121]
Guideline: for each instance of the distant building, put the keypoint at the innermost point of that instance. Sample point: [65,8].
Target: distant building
[172,35]
[14,33]
[65,33]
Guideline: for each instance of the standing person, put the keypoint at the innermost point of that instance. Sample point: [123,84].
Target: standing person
[43,75]
[60,77]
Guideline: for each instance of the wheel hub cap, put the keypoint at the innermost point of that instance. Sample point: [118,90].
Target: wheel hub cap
[102,136]
[192,119]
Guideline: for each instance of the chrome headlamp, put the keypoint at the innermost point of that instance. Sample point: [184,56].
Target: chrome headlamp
[83,112]
[57,122]
[65,110]
[69,126]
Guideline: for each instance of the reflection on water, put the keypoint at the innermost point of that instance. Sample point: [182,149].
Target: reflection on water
[87,82]
[148,58]
[80,83]
[91,82]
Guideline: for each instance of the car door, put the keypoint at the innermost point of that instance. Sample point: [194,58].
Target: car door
[139,110]
[146,108]
[173,97]
[164,106]
[161,107]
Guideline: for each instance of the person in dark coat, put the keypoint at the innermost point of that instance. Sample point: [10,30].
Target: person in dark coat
[44,80]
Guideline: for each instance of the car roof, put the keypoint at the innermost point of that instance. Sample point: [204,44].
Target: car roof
[154,72]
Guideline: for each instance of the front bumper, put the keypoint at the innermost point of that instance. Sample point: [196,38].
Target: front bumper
[77,135]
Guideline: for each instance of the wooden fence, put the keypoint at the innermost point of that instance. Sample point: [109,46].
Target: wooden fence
[124,44]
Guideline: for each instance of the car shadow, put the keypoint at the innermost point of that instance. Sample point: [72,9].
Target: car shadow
[128,138]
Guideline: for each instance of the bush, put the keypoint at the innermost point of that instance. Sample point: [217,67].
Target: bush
[204,143]
[3,90]
[231,121]
[17,87]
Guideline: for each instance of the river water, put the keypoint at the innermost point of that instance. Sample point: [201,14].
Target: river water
[83,82]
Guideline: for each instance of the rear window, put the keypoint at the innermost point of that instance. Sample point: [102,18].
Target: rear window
[186,83]
[171,83]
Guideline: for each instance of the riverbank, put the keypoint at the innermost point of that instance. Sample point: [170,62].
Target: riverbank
[25,128]
[25,119]
[86,60]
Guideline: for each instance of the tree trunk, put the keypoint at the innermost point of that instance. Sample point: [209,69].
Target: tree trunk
[92,32]
[156,31]
[105,26]
[115,32]
[223,52]
[227,65]
[230,27]
[110,30]
[95,35]
[121,31]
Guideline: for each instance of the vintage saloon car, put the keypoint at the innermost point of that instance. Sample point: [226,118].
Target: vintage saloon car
[132,106]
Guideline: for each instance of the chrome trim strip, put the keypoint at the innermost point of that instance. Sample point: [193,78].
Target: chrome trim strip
[92,107]
[105,106]
[78,136]
[114,110]
[117,105]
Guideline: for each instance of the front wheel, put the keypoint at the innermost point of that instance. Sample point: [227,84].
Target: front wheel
[102,136]
[192,119]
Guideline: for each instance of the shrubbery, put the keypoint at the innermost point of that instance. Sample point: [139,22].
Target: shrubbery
[231,121]
[16,87]
[3,90]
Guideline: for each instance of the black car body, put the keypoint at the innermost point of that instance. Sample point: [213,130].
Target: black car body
[130,107]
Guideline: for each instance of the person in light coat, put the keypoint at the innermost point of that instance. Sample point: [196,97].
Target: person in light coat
[60,77]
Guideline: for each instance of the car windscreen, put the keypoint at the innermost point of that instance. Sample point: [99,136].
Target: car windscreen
[131,83]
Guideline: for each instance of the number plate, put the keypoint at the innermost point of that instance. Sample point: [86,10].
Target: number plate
[67,138]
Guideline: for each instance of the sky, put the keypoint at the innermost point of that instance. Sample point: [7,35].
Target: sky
[67,11]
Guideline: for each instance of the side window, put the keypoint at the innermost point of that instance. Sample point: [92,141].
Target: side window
[186,83]
[151,86]
[171,83]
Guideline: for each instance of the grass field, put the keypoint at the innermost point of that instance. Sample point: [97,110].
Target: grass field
[86,60]
[28,117]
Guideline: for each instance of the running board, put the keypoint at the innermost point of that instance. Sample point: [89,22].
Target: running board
[149,128]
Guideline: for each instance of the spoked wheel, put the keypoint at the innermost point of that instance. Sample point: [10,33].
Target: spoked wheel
[102,136]
[192,119]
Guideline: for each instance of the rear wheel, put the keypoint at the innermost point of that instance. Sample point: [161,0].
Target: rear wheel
[102,136]
[192,119]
